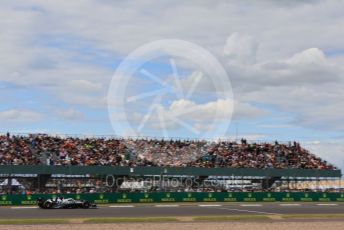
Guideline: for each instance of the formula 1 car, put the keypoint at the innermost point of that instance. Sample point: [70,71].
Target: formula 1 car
[61,203]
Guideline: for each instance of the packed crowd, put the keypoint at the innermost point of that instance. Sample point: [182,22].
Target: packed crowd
[16,151]
[28,150]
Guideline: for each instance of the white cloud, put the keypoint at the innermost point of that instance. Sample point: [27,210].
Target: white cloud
[268,53]
[312,56]
[85,86]
[332,151]
[201,127]
[240,49]
[200,116]
[19,115]
[221,109]
[308,85]
[71,114]
[88,100]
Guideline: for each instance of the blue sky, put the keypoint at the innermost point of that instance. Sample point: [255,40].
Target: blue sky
[284,62]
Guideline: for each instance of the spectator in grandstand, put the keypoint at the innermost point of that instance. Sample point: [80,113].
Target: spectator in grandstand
[15,151]
[29,150]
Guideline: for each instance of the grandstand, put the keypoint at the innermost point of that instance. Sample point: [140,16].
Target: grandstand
[41,163]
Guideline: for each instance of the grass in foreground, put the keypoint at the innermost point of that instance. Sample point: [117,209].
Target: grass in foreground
[130,220]
[314,216]
[34,221]
[174,219]
[231,218]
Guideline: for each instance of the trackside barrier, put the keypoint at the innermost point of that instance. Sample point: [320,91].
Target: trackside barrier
[103,198]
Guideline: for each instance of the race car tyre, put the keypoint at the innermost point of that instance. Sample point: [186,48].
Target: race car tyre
[48,205]
[86,205]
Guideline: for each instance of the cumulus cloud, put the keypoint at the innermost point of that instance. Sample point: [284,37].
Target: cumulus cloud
[312,56]
[84,85]
[306,68]
[200,116]
[307,84]
[282,55]
[20,115]
[219,109]
[86,100]
[240,49]
[332,151]
[71,114]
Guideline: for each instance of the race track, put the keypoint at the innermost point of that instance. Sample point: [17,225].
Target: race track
[199,209]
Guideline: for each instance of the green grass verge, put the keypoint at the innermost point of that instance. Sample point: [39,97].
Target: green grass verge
[130,220]
[230,218]
[34,221]
[172,219]
[314,216]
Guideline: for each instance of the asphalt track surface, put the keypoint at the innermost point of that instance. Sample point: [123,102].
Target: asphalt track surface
[198,209]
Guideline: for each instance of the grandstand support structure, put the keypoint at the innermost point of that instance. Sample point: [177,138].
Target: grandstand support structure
[40,181]
[267,183]
[192,171]
[43,177]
